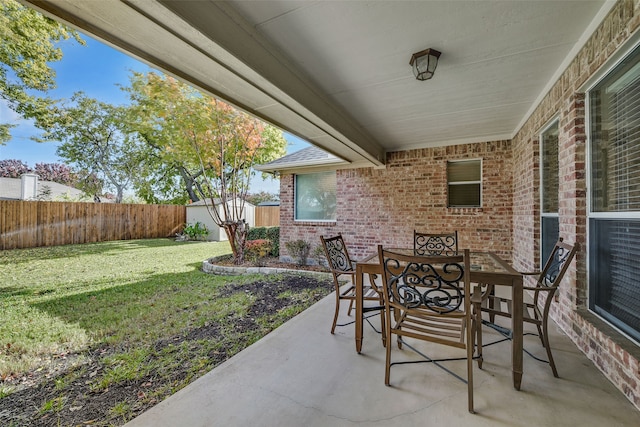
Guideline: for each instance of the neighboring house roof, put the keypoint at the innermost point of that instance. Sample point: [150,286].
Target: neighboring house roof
[305,158]
[11,189]
[270,203]
[217,202]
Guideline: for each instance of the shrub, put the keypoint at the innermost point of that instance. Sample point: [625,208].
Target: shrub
[197,231]
[256,250]
[319,255]
[268,233]
[299,250]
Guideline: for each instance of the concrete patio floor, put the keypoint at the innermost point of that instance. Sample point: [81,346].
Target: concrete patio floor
[301,375]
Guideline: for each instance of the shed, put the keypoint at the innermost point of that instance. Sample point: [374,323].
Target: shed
[198,212]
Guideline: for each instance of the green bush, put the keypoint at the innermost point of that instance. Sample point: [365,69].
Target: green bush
[319,255]
[268,233]
[299,250]
[197,231]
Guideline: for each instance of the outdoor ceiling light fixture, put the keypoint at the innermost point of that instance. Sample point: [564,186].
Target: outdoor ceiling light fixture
[424,63]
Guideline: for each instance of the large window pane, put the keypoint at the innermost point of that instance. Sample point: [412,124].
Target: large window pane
[550,233]
[549,158]
[614,253]
[315,196]
[615,141]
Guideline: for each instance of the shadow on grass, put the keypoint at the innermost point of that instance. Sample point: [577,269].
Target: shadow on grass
[153,307]
[117,247]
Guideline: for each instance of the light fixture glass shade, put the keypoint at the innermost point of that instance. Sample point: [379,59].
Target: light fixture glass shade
[424,63]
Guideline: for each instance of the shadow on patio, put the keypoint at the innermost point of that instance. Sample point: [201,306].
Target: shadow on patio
[301,375]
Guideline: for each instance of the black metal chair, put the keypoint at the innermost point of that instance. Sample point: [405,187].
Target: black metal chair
[430,297]
[535,311]
[435,244]
[340,265]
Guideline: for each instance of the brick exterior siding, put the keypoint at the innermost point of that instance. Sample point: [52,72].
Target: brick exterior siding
[385,205]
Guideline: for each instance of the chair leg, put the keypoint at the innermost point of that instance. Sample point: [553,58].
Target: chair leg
[387,366]
[547,346]
[470,350]
[335,316]
[383,325]
[478,326]
[541,335]
[350,308]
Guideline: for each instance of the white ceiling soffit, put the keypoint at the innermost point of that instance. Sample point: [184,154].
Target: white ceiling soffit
[337,72]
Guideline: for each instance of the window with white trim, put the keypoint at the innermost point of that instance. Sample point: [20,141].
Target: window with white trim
[549,189]
[614,214]
[315,196]
[464,182]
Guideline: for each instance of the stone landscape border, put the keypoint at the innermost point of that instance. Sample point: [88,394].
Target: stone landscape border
[211,268]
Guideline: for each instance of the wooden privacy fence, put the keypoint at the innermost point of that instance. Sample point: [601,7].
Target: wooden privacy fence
[32,224]
[267,216]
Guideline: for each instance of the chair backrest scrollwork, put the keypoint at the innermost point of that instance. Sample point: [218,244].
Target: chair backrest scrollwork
[437,283]
[435,244]
[337,254]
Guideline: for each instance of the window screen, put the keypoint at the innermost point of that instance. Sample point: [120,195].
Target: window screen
[550,188]
[464,179]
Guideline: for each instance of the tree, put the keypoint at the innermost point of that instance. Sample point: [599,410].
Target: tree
[55,172]
[13,168]
[210,146]
[263,196]
[95,139]
[27,46]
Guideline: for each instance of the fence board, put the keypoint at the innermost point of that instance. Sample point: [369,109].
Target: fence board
[27,224]
[267,216]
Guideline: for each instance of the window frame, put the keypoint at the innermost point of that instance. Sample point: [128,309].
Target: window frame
[593,217]
[295,197]
[553,122]
[478,182]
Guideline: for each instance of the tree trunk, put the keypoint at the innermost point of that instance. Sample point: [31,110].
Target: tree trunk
[189,182]
[237,234]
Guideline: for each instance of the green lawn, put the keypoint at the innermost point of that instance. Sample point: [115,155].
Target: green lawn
[138,310]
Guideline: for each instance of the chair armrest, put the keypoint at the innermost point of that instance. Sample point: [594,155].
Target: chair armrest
[537,288]
[530,273]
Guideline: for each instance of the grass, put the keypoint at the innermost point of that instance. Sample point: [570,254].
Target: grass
[64,299]
[123,303]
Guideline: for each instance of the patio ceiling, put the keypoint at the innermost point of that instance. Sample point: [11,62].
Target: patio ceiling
[337,73]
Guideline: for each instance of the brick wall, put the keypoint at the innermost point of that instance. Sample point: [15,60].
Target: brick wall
[384,206]
[612,353]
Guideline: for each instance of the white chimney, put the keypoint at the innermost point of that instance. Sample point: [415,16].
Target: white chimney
[29,186]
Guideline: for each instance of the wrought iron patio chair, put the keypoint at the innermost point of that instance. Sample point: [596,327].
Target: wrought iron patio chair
[340,265]
[430,300]
[435,244]
[536,310]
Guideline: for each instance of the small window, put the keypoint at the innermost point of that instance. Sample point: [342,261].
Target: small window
[315,197]
[464,178]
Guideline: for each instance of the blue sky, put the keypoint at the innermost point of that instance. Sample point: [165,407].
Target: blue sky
[97,70]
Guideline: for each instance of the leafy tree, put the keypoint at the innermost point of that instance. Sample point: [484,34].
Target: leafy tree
[95,140]
[56,172]
[13,168]
[27,46]
[263,196]
[205,144]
